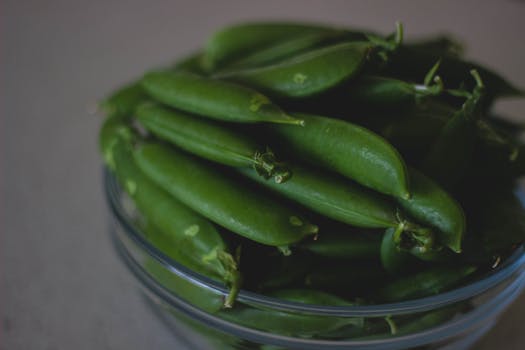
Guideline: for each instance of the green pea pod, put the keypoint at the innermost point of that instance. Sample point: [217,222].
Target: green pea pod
[211,140]
[344,244]
[356,280]
[334,196]
[426,283]
[285,49]
[124,101]
[410,64]
[205,299]
[233,42]
[308,73]
[395,260]
[222,198]
[387,94]
[192,64]
[452,151]
[439,46]
[435,208]
[294,324]
[213,98]
[186,236]
[414,134]
[348,149]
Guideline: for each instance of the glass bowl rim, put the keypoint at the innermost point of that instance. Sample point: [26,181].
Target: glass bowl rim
[492,279]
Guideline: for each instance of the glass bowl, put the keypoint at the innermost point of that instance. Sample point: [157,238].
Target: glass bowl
[191,302]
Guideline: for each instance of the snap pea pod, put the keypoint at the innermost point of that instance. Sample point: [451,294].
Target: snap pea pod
[409,63]
[213,98]
[308,73]
[429,282]
[295,324]
[211,140]
[384,93]
[344,244]
[414,134]
[124,101]
[222,198]
[294,46]
[453,149]
[334,196]
[395,260]
[186,236]
[192,63]
[434,207]
[356,280]
[348,149]
[438,46]
[233,42]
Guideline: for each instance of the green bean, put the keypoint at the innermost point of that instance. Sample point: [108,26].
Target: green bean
[434,207]
[308,73]
[213,98]
[186,236]
[233,42]
[429,282]
[222,198]
[348,149]
[211,140]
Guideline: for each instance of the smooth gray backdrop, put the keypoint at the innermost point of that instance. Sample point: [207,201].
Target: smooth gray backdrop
[61,285]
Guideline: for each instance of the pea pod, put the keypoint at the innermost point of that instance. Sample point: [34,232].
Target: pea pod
[213,98]
[345,245]
[384,93]
[211,140]
[233,42]
[439,46]
[308,73]
[186,236]
[356,279]
[409,63]
[429,282]
[124,101]
[435,208]
[453,149]
[222,198]
[294,46]
[205,299]
[395,260]
[192,64]
[295,324]
[334,196]
[348,149]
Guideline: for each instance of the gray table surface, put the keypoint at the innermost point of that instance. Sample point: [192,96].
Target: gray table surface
[61,285]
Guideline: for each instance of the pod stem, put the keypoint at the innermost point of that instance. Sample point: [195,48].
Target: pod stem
[413,238]
[232,277]
[267,166]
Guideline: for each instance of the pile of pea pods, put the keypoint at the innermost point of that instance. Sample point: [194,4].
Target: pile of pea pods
[321,165]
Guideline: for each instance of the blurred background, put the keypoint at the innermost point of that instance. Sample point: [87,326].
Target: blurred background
[61,285]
